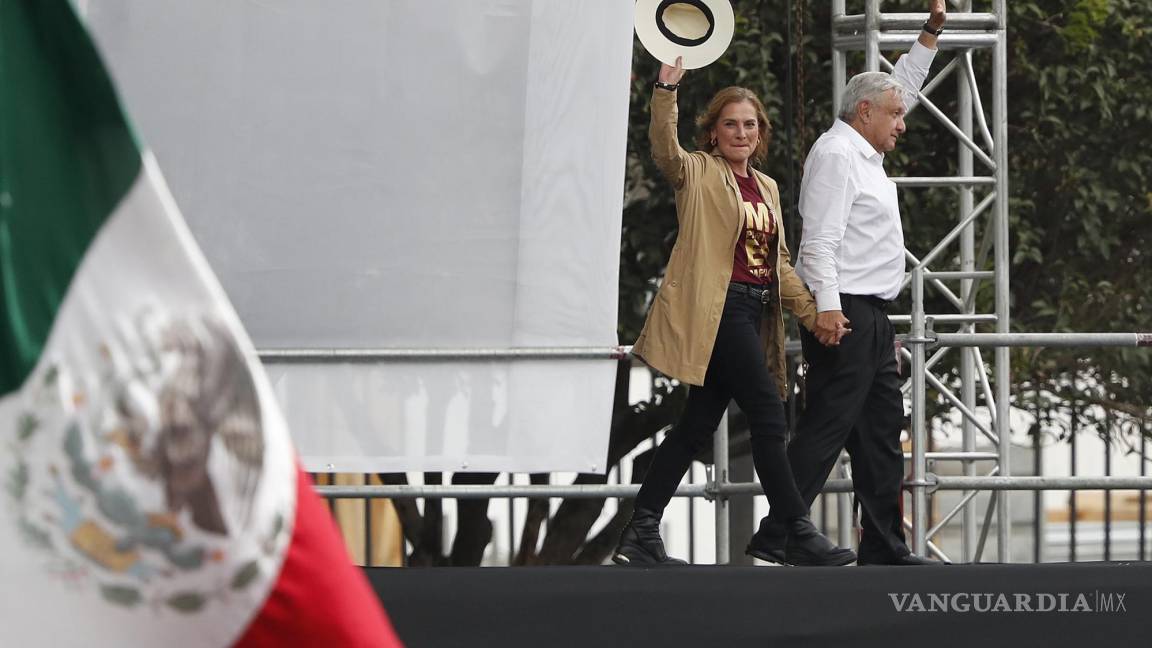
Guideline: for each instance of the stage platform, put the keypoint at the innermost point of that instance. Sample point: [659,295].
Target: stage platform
[1090,605]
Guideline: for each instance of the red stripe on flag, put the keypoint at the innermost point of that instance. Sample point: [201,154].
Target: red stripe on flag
[320,598]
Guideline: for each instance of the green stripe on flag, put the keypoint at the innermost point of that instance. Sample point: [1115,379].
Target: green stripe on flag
[67,157]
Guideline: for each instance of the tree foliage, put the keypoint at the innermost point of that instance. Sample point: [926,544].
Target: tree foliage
[1081,174]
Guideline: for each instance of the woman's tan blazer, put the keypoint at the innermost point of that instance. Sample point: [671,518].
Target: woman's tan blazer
[681,327]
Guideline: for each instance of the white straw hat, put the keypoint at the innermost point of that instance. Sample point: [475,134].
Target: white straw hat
[698,30]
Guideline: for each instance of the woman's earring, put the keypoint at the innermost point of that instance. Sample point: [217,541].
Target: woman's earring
[713,141]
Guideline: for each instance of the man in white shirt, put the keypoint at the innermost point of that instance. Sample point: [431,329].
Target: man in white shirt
[851,256]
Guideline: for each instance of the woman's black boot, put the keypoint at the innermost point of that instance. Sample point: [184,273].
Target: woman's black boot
[640,543]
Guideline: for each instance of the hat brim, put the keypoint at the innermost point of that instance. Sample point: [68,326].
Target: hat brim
[695,56]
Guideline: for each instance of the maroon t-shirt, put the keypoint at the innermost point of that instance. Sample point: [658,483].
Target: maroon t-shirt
[752,257]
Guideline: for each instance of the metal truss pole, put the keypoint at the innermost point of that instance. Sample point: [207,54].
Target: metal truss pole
[838,64]
[719,483]
[872,35]
[844,513]
[377,356]
[919,417]
[1002,259]
[967,294]
[989,482]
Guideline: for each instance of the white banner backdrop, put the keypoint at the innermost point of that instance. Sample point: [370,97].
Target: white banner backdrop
[401,174]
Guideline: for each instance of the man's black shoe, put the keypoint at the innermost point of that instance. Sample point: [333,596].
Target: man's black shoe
[906,560]
[640,543]
[767,543]
[806,546]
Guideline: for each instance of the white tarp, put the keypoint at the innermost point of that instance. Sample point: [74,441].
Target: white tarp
[401,174]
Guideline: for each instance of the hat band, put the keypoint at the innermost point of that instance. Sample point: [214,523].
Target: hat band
[680,40]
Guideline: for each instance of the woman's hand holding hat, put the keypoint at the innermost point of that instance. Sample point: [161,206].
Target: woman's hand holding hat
[670,75]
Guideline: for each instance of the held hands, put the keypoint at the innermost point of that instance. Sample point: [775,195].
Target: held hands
[831,326]
[938,9]
[672,75]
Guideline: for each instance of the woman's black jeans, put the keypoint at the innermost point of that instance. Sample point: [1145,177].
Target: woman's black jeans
[736,370]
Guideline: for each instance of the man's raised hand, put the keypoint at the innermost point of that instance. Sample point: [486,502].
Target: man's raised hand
[939,13]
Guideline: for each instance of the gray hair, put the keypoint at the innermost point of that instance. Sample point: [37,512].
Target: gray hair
[867,86]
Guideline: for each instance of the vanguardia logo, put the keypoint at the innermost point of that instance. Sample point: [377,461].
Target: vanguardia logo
[989,602]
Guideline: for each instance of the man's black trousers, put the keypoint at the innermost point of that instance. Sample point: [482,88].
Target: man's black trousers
[853,401]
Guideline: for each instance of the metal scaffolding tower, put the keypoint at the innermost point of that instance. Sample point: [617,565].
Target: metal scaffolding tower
[982,214]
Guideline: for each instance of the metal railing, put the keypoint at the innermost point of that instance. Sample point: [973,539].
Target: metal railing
[717,488]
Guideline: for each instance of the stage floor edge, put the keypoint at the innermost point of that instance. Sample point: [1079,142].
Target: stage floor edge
[1057,604]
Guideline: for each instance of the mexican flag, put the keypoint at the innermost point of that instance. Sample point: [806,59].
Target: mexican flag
[150,492]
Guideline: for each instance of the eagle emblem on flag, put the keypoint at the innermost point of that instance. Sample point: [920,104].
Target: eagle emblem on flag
[134,472]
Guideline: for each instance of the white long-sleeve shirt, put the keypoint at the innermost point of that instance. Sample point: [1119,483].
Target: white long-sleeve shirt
[852,239]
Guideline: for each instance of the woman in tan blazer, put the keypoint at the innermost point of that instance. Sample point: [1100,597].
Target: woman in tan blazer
[716,321]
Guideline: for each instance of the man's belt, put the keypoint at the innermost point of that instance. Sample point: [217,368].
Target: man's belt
[876,302]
